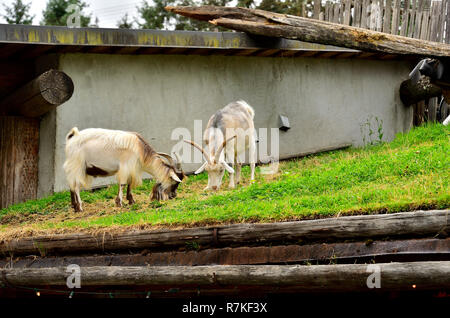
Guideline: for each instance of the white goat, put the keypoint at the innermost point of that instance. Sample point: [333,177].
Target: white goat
[229,133]
[96,152]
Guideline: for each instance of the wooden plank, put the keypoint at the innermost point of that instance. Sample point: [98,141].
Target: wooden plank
[372,15]
[3,159]
[411,224]
[326,16]
[419,113]
[432,109]
[447,24]
[418,19]
[412,18]
[424,25]
[405,18]
[26,138]
[316,10]
[8,161]
[357,13]
[441,24]
[395,17]
[321,16]
[387,18]
[380,4]
[336,15]
[341,11]
[348,277]
[432,33]
[347,11]
[364,9]
[19,149]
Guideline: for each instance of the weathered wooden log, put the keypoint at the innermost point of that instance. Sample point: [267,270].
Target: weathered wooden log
[271,24]
[411,93]
[38,96]
[412,224]
[354,277]
[382,251]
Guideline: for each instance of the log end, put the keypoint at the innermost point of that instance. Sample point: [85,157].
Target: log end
[56,87]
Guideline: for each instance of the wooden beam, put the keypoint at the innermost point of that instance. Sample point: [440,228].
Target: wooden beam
[14,75]
[412,93]
[271,24]
[39,96]
[348,277]
[412,224]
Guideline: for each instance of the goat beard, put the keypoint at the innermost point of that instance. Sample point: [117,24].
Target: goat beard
[161,194]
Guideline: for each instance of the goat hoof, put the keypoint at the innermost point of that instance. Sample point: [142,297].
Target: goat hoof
[131,202]
[118,203]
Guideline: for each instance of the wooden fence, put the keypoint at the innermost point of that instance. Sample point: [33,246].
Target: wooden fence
[420,19]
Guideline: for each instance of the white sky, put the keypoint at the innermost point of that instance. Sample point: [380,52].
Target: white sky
[107,11]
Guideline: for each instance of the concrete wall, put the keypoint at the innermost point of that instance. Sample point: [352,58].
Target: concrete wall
[327,101]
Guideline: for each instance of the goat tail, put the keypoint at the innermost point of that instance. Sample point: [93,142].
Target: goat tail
[248,108]
[73,132]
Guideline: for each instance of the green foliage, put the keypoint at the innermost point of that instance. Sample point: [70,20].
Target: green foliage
[368,131]
[156,17]
[56,12]
[293,7]
[246,3]
[18,13]
[124,23]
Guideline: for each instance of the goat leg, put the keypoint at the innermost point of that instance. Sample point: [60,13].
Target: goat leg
[231,185]
[76,200]
[119,196]
[72,199]
[238,173]
[130,196]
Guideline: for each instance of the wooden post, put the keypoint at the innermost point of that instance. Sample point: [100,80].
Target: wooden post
[19,147]
[39,96]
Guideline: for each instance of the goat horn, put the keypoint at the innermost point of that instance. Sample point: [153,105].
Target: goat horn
[219,150]
[168,157]
[178,161]
[205,155]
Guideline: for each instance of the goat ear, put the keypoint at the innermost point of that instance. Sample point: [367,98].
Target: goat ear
[174,176]
[227,167]
[199,170]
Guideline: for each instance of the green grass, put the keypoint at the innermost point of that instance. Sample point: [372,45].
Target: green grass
[410,173]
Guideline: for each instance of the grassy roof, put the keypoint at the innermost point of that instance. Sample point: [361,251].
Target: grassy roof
[412,172]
